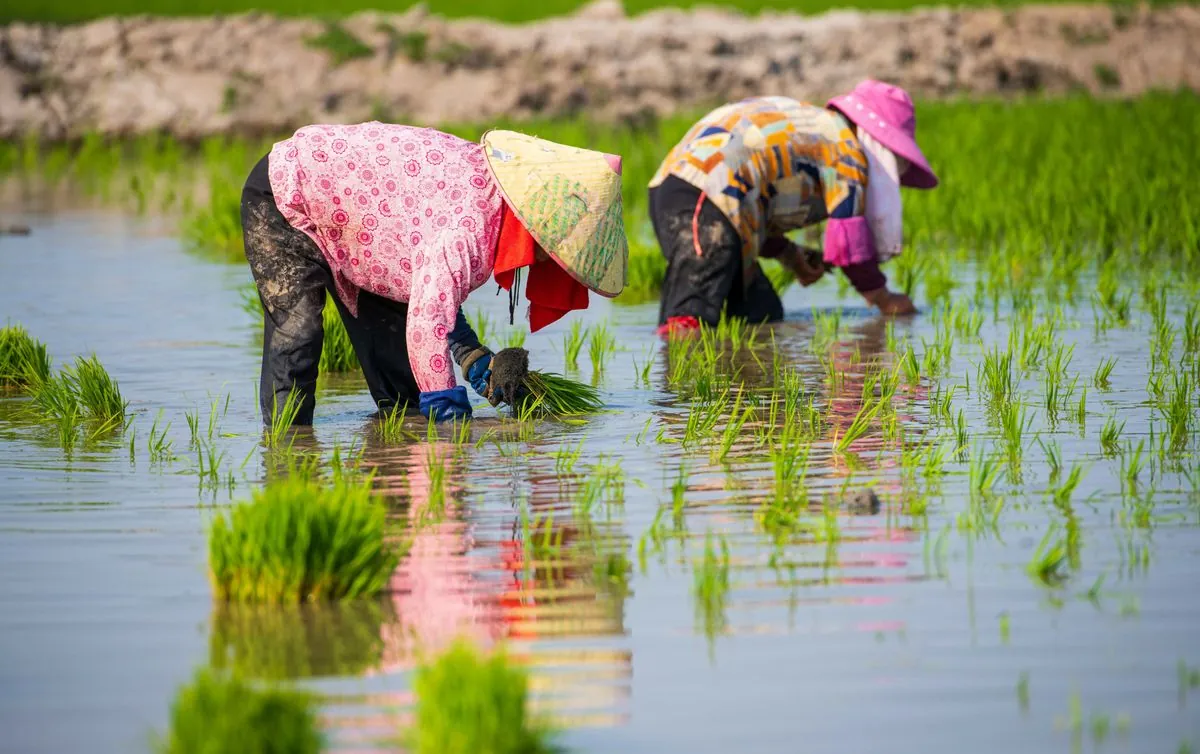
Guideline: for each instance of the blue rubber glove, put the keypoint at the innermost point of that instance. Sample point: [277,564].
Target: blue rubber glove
[479,373]
[446,404]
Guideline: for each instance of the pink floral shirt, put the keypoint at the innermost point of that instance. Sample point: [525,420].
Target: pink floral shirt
[410,214]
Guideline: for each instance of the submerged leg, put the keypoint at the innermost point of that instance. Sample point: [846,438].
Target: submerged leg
[291,275]
[378,336]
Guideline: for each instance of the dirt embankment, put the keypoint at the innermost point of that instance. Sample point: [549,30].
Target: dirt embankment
[255,73]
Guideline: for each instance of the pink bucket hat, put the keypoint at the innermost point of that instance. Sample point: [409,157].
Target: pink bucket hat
[886,112]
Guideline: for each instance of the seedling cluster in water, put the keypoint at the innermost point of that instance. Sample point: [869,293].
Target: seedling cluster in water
[1042,409]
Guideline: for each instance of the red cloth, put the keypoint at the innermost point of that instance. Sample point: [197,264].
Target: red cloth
[551,290]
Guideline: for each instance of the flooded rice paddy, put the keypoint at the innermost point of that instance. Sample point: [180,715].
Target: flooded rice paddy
[663,583]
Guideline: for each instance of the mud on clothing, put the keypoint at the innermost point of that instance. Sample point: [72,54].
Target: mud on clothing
[409,214]
[701,286]
[293,276]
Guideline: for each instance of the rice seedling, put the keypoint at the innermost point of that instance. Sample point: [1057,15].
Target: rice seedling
[566,457]
[641,370]
[516,338]
[1102,378]
[1015,420]
[469,702]
[961,435]
[1110,436]
[601,344]
[1053,458]
[282,419]
[24,360]
[1191,329]
[222,712]
[733,430]
[389,425]
[1048,564]
[997,374]
[300,540]
[1178,412]
[1081,410]
[481,323]
[1061,494]
[555,395]
[862,422]
[337,351]
[710,584]
[983,473]
[573,344]
[1131,464]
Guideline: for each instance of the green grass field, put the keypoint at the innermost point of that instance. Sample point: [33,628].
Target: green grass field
[1043,190]
[65,11]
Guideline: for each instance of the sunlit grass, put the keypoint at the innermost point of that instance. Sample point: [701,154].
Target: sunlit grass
[469,702]
[219,712]
[300,540]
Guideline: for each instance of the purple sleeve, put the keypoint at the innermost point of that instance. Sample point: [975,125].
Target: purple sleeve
[865,276]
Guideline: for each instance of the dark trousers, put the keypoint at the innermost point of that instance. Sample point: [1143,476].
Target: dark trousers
[702,285]
[293,278]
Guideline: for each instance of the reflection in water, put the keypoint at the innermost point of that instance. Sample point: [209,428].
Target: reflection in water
[848,555]
[276,642]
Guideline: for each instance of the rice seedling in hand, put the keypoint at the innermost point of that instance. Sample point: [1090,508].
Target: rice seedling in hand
[555,395]
[24,360]
[573,344]
[220,712]
[516,338]
[300,540]
[471,703]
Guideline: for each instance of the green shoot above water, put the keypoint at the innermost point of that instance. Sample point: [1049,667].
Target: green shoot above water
[299,540]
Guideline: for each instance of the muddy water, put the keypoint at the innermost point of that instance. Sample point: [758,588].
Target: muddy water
[910,633]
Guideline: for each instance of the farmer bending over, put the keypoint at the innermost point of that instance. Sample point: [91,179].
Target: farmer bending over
[400,224]
[751,171]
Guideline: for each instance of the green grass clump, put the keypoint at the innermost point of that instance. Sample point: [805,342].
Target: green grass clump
[468,703]
[84,392]
[341,45]
[24,361]
[561,396]
[301,540]
[337,352]
[221,713]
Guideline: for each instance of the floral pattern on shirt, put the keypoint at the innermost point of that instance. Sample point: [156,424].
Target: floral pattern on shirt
[410,214]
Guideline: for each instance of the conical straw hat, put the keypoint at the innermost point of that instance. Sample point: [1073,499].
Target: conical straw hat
[569,199]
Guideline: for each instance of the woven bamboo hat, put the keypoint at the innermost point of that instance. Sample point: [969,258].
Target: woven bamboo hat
[569,199]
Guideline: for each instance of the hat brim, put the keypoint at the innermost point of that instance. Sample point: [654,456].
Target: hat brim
[568,252]
[919,175]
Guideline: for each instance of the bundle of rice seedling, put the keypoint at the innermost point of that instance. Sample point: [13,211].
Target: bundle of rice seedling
[24,361]
[554,394]
[301,540]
